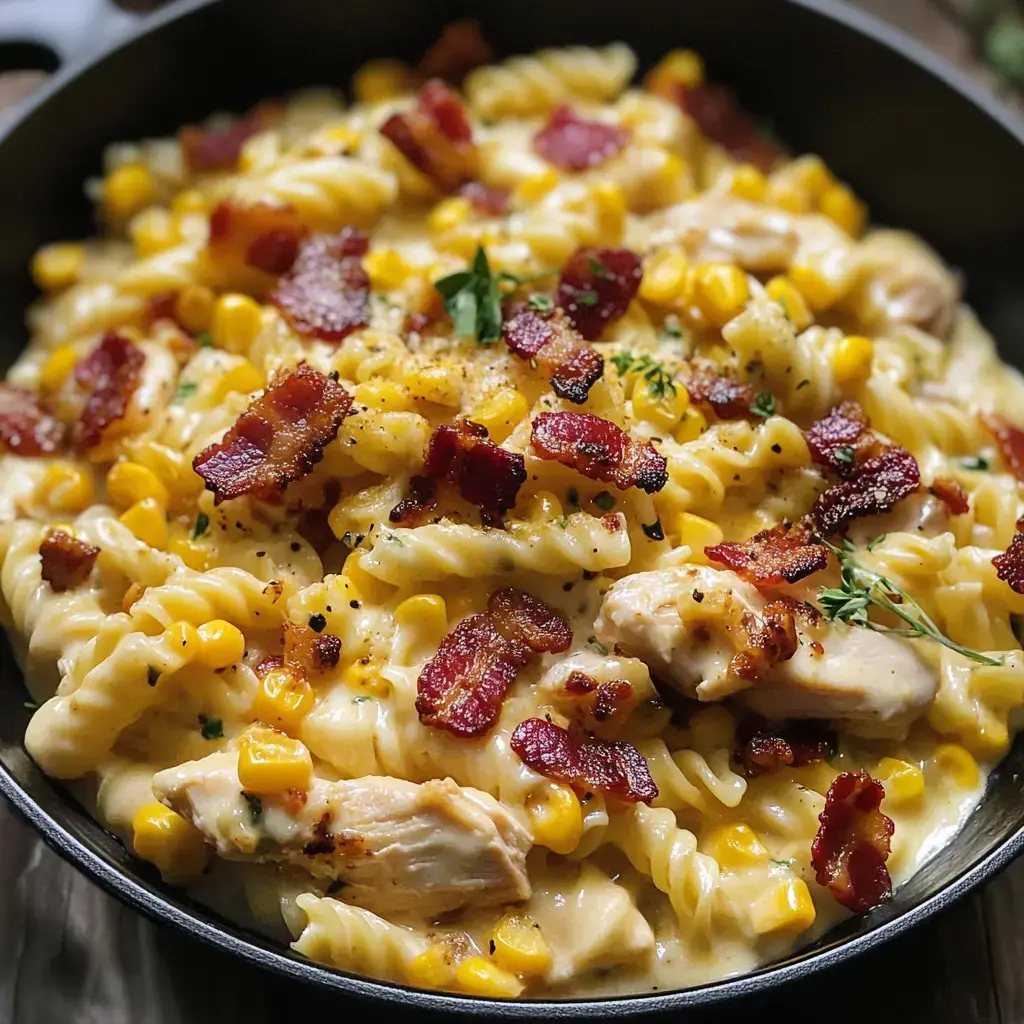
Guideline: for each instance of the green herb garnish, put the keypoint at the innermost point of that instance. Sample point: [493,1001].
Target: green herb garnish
[844,453]
[597,645]
[186,389]
[255,808]
[978,462]
[540,303]
[763,405]
[204,339]
[211,728]
[561,521]
[872,544]
[202,525]
[804,383]
[586,298]
[598,269]
[659,380]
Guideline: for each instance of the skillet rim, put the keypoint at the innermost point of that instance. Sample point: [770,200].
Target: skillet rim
[249,948]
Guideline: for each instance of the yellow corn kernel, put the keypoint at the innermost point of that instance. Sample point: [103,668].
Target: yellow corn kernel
[342,136]
[721,291]
[430,969]
[851,361]
[786,908]
[189,201]
[518,945]
[387,268]
[57,266]
[501,413]
[697,534]
[818,290]
[243,377]
[610,207]
[435,384]
[191,552]
[449,214]
[692,425]
[788,196]
[844,209]
[903,780]
[152,231]
[147,521]
[735,846]
[381,79]
[665,410]
[812,175]
[792,302]
[426,613]
[128,189]
[236,322]
[479,977]
[665,182]
[167,840]
[665,278]
[221,644]
[283,699]
[184,636]
[957,763]
[66,487]
[385,395]
[748,182]
[128,482]
[57,367]
[680,67]
[535,186]
[271,762]
[556,819]
[365,673]
[193,308]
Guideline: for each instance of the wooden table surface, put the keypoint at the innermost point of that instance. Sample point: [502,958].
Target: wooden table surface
[71,954]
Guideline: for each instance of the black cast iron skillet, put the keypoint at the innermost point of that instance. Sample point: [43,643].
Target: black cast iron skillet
[929,150]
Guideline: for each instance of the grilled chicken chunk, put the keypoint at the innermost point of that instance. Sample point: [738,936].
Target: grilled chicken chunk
[687,624]
[397,846]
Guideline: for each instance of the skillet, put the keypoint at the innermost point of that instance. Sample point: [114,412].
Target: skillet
[929,149]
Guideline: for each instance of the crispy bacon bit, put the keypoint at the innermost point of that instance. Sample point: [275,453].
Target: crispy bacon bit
[573,366]
[1010,564]
[66,560]
[849,852]
[268,663]
[492,201]
[842,440]
[26,425]
[769,639]
[326,294]
[293,800]
[607,766]
[485,474]
[278,439]
[435,137]
[249,241]
[422,497]
[607,702]
[1010,440]
[878,485]
[577,144]
[109,376]
[218,149]
[461,48]
[599,450]
[596,287]
[462,688]
[310,650]
[951,494]
[763,746]
[783,554]
[160,307]
[727,398]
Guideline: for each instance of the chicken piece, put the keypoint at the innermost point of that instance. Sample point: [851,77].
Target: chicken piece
[687,625]
[397,846]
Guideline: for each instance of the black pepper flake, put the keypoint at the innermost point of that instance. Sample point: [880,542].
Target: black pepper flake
[152,675]
[354,604]
[698,596]
[317,623]
[491,947]
[653,531]
[777,448]
[261,554]
[295,546]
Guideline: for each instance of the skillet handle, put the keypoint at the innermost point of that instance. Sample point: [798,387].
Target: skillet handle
[71,28]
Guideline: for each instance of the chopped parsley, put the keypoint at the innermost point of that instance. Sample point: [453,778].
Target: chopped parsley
[204,339]
[803,384]
[596,644]
[872,544]
[598,269]
[561,521]
[604,500]
[659,380]
[671,329]
[586,298]
[186,389]
[211,728]
[844,453]
[540,303]
[978,462]
[202,525]
[763,405]
[255,808]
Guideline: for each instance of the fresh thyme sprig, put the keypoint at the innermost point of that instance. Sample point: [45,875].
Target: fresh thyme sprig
[659,381]
[860,588]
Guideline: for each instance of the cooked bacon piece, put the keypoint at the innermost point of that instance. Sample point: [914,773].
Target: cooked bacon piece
[160,307]
[309,648]
[849,852]
[584,762]
[877,486]
[278,439]
[326,294]
[603,702]
[485,474]
[1010,564]
[763,746]
[843,440]
[573,366]
[267,664]
[66,560]
[951,494]
[596,287]
[783,554]
[109,376]
[461,48]
[727,398]
[575,143]
[599,450]
[251,242]
[26,425]
[462,688]
[1010,440]
[492,201]
[769,639]
[422,498]
[218,149]
[435,137]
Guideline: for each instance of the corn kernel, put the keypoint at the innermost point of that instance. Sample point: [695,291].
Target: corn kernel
[501,413]
[365,673]
[152,231]
[679,67]
[283,699]
[536,186]
[788,196]
[435,384]
[903,780]
[851,361]
[57,266]
[697,534]
[664,281]
[610,207]
[665,183]
[183,636]
[479,977]
[193,308]
[518,945]
[818,290]
[385,395]
[189,201]
[692,425]
[664,410]
[735,846]
[147,521]
[812,175]
[748,182]
[128,482]
[221,644]
[721,291]
[430,969]
[167,840]
[192,553]
[243,377]
[792,302]
[271,762]
[426,613]
[786,908]
[57,367]
[237,321]
[954,761]
[341,136]
[556,819]
[449,214]
[381,79]
[128,189]
[387,268]
[66,487]
[844,209]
